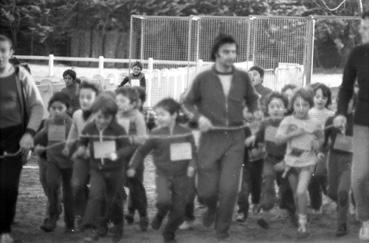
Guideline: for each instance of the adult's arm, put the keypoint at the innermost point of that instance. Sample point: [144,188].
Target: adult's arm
[347,87]
[192,99]
[34,103]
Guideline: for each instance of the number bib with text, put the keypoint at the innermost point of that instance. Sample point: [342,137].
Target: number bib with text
[56,133]
[135,82]
[180,151]
[103,149]
[343,143]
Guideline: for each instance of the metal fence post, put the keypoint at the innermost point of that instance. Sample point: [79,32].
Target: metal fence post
[101,65]
[308,65]
[149,83]
[51,65]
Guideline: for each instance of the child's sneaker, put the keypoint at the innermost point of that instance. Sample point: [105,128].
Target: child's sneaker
[48,225]
[241,217]
[341,230]
[129,218]
[364,231]
[263,223]
[117,232]
[144,223]
[156,222]
[186,225]
[6,238]
[302,230]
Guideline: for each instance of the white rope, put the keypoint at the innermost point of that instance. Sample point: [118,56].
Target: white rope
[332,9]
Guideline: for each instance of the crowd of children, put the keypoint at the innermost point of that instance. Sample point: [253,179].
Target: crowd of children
[87,159]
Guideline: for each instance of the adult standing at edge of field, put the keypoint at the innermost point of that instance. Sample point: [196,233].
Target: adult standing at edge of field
[21,111]
[216,99]
[357,68]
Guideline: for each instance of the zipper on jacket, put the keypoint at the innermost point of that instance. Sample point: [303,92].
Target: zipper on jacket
[226,106]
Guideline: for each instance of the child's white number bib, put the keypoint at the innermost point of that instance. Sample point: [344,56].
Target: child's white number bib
[180,151]
[103,149]
[343,143]
[135,82]
[270,133]
[56,133]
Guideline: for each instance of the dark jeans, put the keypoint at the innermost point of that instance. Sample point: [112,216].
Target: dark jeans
[10,170]
[220,159]
[172,194]
[318,185]
[137,199]
[54,177]
[339,184]
[251,184]
[79,185]
[190,205]
[105,201]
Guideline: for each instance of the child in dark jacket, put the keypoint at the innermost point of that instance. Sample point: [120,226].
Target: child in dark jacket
[59,167]
[338,142]
[105,144]
[174,155]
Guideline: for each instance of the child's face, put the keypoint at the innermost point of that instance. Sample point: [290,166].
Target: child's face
[6,53]
[57,109]
[320,101]
[288,93]
[301,108]
[86,98]
[136,70]
[68,80]
[102,121]
[255,77]
[124,103]
[164,118]
[276,108]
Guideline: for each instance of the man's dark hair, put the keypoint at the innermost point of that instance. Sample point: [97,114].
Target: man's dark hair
[6,39]
[258,69]
[170,105]
[365,15]
[90,85]
[71,73]
[137,64]
[219,41]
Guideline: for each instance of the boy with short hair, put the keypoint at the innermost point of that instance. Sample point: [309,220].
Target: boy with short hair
[71,89]
[256,74]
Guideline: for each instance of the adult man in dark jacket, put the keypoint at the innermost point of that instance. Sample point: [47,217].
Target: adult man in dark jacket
[216,100]
[357,68]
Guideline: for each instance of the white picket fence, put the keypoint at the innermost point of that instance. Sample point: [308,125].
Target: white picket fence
[161,83]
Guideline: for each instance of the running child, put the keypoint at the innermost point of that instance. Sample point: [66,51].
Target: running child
[175,161]
[71,89]
[339,144]
[320,112]
[106,146]
[136,78]
[133,122]
[87,95]
[302,135]
[59,167]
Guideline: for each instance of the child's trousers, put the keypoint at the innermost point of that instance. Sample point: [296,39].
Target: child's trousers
[105,201]
[54,177]
[172,195]
[220,159]
[137,199]
[251,185]
[339,170]
[318,185]
[79,185]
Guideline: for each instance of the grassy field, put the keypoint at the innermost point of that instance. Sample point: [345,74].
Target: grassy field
[32,203]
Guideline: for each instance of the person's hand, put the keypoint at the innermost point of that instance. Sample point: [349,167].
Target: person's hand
[250,141]
[26,142]
[247,115]
[204,124]
[321,156]
[39,149]
[258,115]
[190,171]
[339,121]
[140,140]
[315,145]
[131,173]
[113,156]
[65,151]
